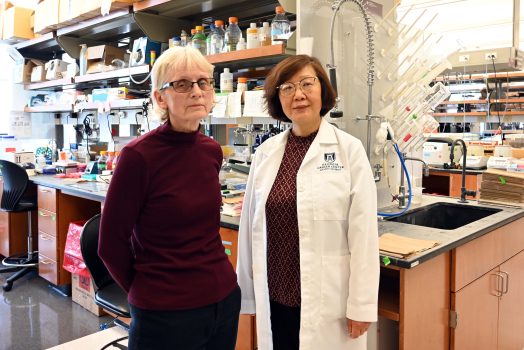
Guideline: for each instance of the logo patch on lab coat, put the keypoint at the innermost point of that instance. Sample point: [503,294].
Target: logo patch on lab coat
[330,163]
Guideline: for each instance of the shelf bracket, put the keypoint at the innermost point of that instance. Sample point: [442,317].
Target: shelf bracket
[160,28]
[72,45]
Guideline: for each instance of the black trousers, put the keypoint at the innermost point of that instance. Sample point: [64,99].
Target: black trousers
[212,327]
[285,326]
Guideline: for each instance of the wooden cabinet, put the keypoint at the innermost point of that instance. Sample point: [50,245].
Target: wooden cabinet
[55,211]
[445,183]
[486,291]
[246,339]
[13,230]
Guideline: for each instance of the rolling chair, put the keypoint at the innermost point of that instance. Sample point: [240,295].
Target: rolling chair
[108,294]
[14,200]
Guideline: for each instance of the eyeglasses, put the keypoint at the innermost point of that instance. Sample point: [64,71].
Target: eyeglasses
[184,85]
[306,85]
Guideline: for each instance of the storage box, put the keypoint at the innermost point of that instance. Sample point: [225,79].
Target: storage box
[83,293]
[109,94]
[70,11]
[55,69]
[93,8]
[17,157]
[38,71]
[46,16]
[17,23]
[102,55]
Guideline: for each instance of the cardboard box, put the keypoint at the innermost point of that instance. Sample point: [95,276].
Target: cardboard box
[46,16]
[22,72]
[70,11]
[17,23]
[102,55]
[55,69]
[93,8]
[83,293]
[18,157]
[38,71]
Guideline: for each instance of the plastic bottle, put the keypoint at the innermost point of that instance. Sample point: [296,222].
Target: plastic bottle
[217,38]
[82,60]
[264,34]
[242,84]
[233,35]
[226,81]
[110,158]
[177,41]
[115,159]
[241,45]
[252,36]
[183,38]
[199,40]
[190,39]
[208,38]
[102,161]
[280,27]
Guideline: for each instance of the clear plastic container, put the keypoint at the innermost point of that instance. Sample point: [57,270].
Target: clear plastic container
[208,38]
[280,27]
[233,35]
[217,38]
[184,38]
[199,40]
[241,45]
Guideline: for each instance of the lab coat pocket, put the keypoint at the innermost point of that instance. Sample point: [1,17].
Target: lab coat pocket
[330,196]
[334,286]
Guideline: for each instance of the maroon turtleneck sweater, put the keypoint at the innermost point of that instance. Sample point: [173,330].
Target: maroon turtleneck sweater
[159,234]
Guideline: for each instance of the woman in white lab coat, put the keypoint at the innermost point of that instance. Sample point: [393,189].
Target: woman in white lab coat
[308,262]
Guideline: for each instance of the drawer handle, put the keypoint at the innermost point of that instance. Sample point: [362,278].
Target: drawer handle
[41,213]
[45,237]
[45,262]
[45,191]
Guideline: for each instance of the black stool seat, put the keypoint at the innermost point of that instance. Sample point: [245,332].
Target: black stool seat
[114,299]
[15,199]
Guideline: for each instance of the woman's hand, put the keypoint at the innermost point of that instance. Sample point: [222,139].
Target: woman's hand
[356,328]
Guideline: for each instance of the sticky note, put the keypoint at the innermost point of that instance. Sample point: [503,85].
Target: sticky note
[228,251]
[386,260]
[502,180]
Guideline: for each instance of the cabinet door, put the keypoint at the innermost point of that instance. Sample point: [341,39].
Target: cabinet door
[455,184]
[511,307]
[476,306]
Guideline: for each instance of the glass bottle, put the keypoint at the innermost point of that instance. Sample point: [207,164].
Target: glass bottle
[233,35]
[217,38]
[199,40]
[280,27]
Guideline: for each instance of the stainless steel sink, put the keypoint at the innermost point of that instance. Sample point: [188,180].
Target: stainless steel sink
[445,216]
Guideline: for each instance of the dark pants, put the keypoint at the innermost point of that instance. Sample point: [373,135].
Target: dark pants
[212,327]
[285,326]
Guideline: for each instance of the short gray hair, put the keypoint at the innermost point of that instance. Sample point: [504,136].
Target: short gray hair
[175,59]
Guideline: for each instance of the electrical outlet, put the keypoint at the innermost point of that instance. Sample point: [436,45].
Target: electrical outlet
[463,58]
[490,56]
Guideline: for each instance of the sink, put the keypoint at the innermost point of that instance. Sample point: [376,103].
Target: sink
[445,216]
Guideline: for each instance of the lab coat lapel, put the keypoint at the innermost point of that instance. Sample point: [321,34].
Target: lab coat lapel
[326,135]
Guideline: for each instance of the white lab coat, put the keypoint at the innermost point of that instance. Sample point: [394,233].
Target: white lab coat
[338,238]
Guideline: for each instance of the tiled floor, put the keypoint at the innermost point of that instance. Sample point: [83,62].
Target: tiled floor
[34,316]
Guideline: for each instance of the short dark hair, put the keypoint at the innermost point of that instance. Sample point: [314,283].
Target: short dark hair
[285,70]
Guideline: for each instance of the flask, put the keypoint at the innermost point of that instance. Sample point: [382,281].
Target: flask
[226,81]
[217,38]
[242,84]
[241,45]
[102,162]
[183,38]
[264,34]
[280,27]
[82,60]
[252,36]
[233,35]
[199,40]
[208,38]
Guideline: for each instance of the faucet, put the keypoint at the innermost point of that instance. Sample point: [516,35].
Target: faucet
[463,190]
[402,189]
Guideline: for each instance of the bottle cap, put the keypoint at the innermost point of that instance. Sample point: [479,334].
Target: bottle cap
[242,79]
[219,22]
[193,31]
[279,9]
[226,70]
[233,20]
[253,25]
[265,24]
[199,28]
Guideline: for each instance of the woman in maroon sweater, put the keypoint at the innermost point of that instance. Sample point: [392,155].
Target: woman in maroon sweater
[159,234]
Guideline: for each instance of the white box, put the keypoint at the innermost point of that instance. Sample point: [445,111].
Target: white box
[18,157]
